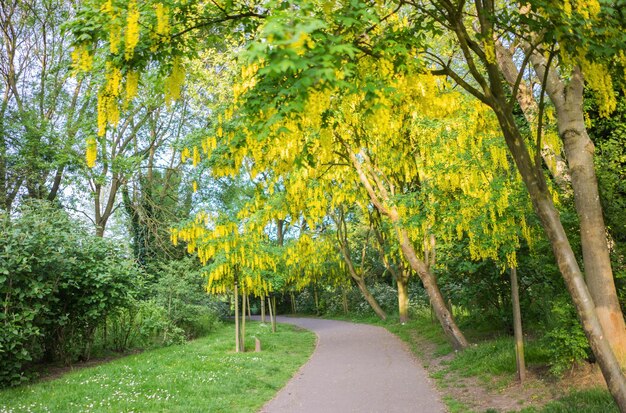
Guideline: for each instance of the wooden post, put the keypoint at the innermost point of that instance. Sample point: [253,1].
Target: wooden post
[517,327]
[237,339]
[257,345]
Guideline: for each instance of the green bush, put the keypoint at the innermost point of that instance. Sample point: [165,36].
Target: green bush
[56,282]
[181,291]
[564,340]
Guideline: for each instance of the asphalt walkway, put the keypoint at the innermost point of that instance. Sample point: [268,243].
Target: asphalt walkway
[356,368]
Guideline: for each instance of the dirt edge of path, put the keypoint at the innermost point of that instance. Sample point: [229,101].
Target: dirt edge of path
[470,394]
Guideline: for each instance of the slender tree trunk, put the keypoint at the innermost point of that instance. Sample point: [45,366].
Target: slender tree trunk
[370,299]
[403,297]
[316,299]
[237,338]
[451,330]
[243,320]
[345,300]
[517,327]
[262,308]
[273,314]
[294,309]
[249,310]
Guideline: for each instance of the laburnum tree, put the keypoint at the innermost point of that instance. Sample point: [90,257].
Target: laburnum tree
[312,47]
[468,33]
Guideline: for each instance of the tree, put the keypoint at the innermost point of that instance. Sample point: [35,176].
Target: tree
[43,111]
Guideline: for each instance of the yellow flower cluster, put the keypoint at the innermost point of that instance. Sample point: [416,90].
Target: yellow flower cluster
[132,84]
[174,82]
[132,29]
[81,58]
[163,19]
[599,80]
[91,152]
[108,110]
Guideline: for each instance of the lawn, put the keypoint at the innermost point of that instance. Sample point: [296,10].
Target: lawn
[204,375]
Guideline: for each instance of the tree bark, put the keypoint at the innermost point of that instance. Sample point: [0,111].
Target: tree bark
[492,93]
[272,313]
[356,275]
[262,308]
[565,257]
[579,150]
[237,339]
[403,298]
[517,327]
[451,330]
[243,320]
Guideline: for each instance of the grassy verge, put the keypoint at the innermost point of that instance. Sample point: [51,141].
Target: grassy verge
[491,362]
[204,375]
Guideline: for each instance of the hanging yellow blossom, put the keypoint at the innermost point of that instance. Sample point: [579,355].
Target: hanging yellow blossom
[174,82]
[185,154]
[163,19]
[196,156]
[91,152]
[81,59]
[102,113]
[132,83]
[132,29]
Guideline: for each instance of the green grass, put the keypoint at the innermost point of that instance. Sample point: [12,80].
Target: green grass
[200,376]
[588,401]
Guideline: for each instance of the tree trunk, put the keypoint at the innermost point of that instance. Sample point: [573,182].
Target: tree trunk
[273,314]
[517,327]
[262,308]
[316,299]
[294,309]
[597,262]
[403,297]
[565,257]
[243,320]
[237,339]
[370,299]
[344,300]
[249,310]
[451,330]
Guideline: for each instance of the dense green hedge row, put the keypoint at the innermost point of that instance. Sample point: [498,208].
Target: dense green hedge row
[66,295]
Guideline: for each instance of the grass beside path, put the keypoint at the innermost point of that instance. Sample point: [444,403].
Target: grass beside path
[204,375]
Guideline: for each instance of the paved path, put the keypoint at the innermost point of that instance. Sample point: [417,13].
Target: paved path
[356,368]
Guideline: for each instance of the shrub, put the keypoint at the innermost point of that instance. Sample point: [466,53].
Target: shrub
[57,283]
[565,340]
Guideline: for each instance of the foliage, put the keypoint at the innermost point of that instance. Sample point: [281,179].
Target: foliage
[565,340]
[57,283]
[181,291]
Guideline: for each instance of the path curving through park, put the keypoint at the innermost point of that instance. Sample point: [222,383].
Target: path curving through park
[356,368]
